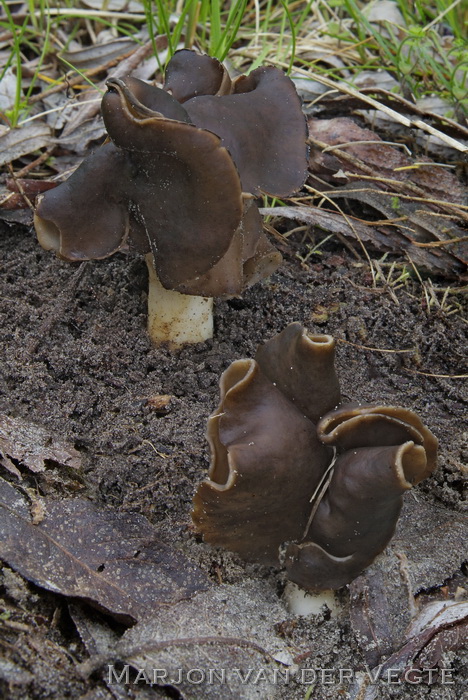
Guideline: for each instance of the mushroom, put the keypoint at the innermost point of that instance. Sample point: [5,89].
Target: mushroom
[323,493]
[189,74]
[169,186]
[260,122]
[266,462]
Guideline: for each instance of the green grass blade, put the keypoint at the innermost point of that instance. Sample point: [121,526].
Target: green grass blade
[231,29]
[83,75]
[215,27]
[293,34]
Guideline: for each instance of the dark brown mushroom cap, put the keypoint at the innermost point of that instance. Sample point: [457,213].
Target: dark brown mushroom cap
[263,128]
[354,425]
[260,257]
[185,188]
[302,366]
[142,99]
[162,179]
[249,258]
[171,187]
[87,217]
[362,504]
[357,517]
[258,436]
[189,74]
[266,461]
[314,569]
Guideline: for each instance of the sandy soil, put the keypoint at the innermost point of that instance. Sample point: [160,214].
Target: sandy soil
[75,358]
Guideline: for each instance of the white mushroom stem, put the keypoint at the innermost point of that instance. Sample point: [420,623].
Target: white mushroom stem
[301,602]
[176,319]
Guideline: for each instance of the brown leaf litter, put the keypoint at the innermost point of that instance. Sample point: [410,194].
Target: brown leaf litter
[31,446]
[113,560]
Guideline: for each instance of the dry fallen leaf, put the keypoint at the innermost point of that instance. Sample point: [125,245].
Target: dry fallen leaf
[431,238]
[32,446]
[383,12]
[383,238]
[224,628]
[12,196]
[383,598]
[94,56]
[387,161]
[439,627]
[112,560]
[8,91]
[15,143]
[412,205]
[433,539]
[380,609]
[81,133]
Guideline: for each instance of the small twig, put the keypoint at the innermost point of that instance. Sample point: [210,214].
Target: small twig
[71,82]
[365,347]
[188,641]
[34,163]
[409,123]
[88,667]
[414,109]
[459,210]
[439,244]
[329,149]
[370,175]
[20,188]
[319,193]
[361,96]
[14,625]
[441,15]
[320,492]
[438,376]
